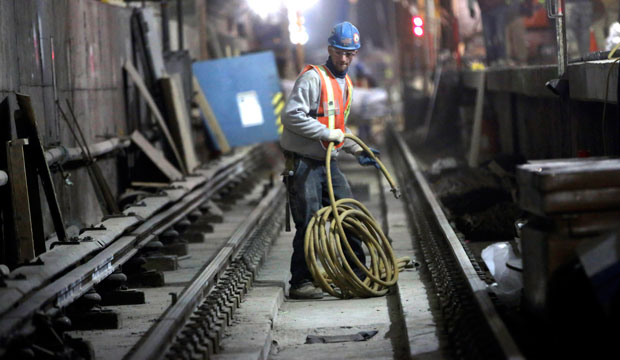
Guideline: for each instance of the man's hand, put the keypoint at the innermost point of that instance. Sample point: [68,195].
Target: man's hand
[364,158]
[335,135]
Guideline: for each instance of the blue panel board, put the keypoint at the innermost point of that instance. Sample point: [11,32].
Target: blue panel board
[230,83]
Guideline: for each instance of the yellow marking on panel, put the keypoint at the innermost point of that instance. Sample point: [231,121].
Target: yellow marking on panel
[278,104]
[276,98]
[279,107]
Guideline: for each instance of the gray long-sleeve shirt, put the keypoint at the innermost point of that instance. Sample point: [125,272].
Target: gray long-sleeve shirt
[302,132]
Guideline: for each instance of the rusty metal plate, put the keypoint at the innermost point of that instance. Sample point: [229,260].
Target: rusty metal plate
[569,174]
[568,201]
[587,224]
[543,252]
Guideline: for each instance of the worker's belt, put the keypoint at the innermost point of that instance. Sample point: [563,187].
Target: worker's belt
[292,158]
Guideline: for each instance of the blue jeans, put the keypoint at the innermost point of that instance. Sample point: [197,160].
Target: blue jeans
[578,22]
[308,194]
[494,32]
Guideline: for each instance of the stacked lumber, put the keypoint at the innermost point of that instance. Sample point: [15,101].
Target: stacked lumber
[569,201]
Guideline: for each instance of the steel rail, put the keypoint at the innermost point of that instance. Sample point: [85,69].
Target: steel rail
[160,336]
[76,282]
[477,287]
[23,281]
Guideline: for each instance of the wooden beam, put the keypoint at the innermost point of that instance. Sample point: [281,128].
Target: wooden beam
[7,242]
[26,127]
[156,156]
[177,108]
[137,79]
[21,204]
[474,148]
[213,124]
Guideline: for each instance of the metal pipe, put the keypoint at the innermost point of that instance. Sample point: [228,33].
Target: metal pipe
[555,10]
[63,154]
[165,30]
[180,23]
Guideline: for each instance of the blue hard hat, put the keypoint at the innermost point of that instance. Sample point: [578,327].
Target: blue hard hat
[345,36]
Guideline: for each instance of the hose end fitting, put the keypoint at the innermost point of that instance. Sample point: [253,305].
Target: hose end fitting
[396,193]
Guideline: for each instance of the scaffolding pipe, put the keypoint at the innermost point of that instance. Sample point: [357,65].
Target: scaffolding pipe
[61,154]
[180,23]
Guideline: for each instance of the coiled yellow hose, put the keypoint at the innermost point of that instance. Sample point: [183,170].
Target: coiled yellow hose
[321,244]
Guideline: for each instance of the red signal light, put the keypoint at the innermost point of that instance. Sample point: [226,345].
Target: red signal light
[418,26]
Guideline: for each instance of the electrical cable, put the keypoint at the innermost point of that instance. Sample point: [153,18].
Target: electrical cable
[325,236]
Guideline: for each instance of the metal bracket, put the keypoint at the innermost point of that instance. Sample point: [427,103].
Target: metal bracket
[71,242]
[396,193]
[93,228]
[558,86]
[37,262]
[554,9]
[114,216]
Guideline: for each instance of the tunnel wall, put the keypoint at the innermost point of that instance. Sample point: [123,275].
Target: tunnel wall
[91,41]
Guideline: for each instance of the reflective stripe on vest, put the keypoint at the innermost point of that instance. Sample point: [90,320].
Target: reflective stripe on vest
[331,112]
[349,97]
[330,109]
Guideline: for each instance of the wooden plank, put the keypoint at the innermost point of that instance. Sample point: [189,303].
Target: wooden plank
[570,174]
[137,79]
[149,184]
[6,213]
[156,156]
[212,122]
[21,204]
[34,196]
[431,107]
[29,127]
[175,101]
[581,200]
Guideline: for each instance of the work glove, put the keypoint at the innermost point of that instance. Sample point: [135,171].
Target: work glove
[364,158]
[335,135]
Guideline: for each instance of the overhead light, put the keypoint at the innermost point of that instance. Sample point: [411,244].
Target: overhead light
[265,8]
[299,5]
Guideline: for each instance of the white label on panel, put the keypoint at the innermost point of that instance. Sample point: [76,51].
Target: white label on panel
[249,108]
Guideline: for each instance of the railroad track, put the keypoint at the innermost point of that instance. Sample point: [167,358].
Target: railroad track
[193,325]
[471,322]
[35,324]
[475,329]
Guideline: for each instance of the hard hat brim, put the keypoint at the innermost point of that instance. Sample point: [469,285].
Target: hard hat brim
[355,47]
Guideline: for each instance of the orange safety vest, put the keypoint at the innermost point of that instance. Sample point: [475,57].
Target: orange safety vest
[330,112]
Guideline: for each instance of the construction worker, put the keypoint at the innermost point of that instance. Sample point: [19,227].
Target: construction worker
[493,14]
[315,114]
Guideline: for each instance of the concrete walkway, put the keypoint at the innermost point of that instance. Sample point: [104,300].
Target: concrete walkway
[269,325]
